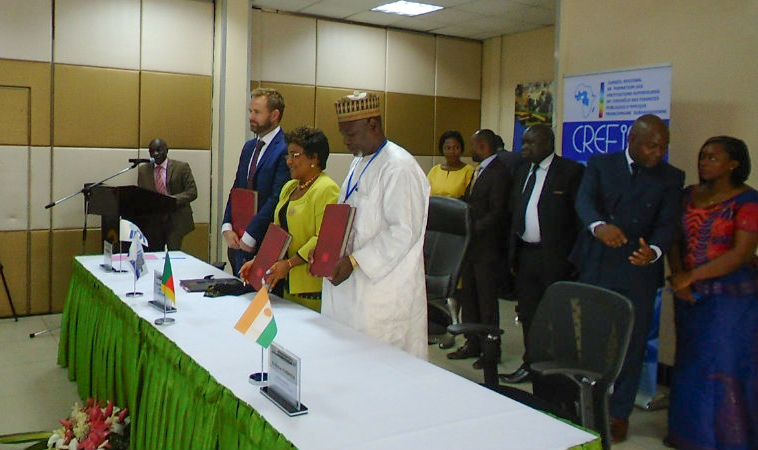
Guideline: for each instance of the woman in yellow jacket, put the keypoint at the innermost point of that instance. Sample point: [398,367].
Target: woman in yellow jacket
[452,177]
[300,210]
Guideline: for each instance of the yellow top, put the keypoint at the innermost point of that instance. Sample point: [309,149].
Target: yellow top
[449,183]
[304,222]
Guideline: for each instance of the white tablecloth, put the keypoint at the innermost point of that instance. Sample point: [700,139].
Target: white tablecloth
[361,393]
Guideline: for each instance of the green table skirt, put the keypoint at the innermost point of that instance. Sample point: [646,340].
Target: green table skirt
[174,403]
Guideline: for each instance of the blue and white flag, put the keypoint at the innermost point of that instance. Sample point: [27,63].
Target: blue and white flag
[137,259]
[128,231]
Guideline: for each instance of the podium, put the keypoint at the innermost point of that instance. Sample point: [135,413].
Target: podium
[128,202]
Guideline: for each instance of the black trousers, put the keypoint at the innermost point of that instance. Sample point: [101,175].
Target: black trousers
[531,282]
[479,303]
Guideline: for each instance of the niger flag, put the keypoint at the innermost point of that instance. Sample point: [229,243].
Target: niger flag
[167,282]
[257,322]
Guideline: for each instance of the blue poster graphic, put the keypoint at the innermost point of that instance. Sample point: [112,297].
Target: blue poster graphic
[599,109]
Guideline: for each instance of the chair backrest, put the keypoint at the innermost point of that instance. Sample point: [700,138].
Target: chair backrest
[582,326]
[448,232]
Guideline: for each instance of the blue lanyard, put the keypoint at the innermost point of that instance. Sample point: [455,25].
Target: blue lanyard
[350,179]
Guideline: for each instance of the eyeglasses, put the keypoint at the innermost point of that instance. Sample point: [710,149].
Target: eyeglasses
[293,155]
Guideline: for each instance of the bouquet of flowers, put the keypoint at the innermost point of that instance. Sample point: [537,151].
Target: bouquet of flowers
[92,426]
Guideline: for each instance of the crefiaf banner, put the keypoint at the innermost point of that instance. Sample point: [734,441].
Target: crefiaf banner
[599,109]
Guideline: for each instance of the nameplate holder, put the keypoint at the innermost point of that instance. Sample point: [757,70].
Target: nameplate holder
[107,264]
[159,301]
[284,381]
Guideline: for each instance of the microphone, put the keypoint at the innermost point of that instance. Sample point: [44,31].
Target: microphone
[141,160]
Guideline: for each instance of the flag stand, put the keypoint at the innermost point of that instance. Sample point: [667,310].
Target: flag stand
[261,377]
[164,320]
[134,292]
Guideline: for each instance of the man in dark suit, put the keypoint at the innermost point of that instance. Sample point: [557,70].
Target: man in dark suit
[544,226]
[262,168]
[487,197]
[173,178]
[629,204]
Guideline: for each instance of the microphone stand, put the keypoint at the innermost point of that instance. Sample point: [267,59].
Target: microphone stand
[86,191]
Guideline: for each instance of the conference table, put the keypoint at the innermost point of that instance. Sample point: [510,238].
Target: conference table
[186,385]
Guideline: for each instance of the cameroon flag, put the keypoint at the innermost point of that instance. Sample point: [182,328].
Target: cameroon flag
[167,282]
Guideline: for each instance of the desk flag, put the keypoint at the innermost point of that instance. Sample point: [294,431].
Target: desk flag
[167,282]
[137,259]
[257,322]
[128,231]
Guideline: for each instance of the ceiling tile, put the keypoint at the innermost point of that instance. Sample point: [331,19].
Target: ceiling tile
[492,7]
[375,18]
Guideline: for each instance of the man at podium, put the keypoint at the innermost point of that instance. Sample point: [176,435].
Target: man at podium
[173,178]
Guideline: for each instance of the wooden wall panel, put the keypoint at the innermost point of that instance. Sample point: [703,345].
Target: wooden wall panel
[36,77]
[95,107]
[176,108]
[14,115]
[299,104]
[39,276]
[66,245]
[457,114]
[14,258]
[197,242]
[409,122]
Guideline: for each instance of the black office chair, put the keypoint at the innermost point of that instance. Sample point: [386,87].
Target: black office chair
[579,332]
[448,232]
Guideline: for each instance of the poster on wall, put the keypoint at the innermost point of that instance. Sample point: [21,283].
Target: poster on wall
[598,109]
[534,106]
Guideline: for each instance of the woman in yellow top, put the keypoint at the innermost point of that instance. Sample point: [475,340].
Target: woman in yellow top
[300,209]
[451,178]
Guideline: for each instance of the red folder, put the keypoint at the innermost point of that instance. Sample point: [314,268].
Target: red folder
[332,238]
[244,208]
[273,248]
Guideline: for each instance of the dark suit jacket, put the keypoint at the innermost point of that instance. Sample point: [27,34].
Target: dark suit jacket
[646,205]
[488,205]
[559,223]
[512,160]
[180,184]
[270,175]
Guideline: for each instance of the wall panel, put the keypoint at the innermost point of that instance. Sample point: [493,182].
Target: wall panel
[409,122]
[457,114]
[65,245]
[39,275]
[39,196]
[103,33]
[410,62]
[289,55]
[35,76]
[299,104]
[14,190]
[351,56]
[27,30]
[15,115]
[183,44]
[459,68]
[14,258]
[73,167]
[197,243]
[177,108]
[95,107]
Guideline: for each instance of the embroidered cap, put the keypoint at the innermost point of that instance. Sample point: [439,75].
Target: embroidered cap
[358,105]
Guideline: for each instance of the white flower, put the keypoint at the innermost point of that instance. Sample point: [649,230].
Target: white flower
[60,443]
[53,439]
[74,444]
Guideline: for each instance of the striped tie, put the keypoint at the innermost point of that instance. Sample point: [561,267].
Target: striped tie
[160,179]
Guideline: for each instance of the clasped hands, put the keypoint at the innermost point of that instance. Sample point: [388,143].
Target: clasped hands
[612,236]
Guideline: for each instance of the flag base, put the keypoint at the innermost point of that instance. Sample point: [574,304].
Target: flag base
[133,294]
[258,378]
[165,321]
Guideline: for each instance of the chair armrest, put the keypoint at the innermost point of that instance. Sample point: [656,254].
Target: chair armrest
[474,328]
[565,368]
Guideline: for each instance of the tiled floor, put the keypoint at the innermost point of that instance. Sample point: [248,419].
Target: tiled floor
[35,392]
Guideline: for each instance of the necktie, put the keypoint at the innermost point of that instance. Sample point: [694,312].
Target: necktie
[254,162]
[525,196]
[160,179]
[477,171]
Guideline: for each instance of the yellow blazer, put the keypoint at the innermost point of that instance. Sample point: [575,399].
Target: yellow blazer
[304,217]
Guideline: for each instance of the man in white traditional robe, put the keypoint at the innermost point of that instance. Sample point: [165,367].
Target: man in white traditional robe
[379,286]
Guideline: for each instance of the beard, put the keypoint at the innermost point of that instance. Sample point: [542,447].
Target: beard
[265,126]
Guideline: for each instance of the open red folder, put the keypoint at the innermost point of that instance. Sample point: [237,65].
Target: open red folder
[332,238]
[273,248]
[244,208]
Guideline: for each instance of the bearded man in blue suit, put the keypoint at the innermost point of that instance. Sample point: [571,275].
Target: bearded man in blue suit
[262,168]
